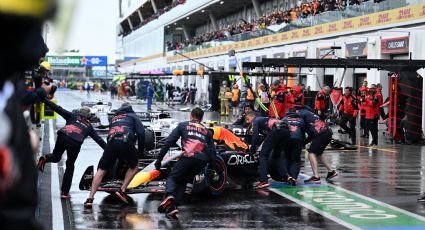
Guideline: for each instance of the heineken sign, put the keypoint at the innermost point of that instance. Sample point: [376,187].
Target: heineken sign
[77,61]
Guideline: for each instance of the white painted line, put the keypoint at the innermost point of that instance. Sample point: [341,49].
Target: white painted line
[373,200]
[314,209]
[379,203]
[339,221]
[57,213]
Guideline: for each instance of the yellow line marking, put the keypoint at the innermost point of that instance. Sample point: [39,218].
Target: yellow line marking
[380,149]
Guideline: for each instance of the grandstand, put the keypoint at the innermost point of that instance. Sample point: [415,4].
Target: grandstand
[151,35]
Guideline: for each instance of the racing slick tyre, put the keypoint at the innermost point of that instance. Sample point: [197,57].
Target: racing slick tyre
[216,177]
[149,139]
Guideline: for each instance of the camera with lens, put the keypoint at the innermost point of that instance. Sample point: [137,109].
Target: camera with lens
[40,76]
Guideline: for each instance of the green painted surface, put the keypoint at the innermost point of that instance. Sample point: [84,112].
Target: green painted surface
[350,208]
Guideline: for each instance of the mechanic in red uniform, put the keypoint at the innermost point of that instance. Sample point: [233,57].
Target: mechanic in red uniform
[320,102]
[279,100]
[294,97]
[372,103]
[298,95]
[349,109]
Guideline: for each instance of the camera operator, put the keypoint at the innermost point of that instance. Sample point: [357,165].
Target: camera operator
[42,84]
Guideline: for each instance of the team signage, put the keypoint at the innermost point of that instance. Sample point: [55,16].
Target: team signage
[358,49]
[350,25]
[77,61]
[395,45]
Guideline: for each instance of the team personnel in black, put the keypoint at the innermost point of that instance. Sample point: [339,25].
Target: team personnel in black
[198,149]
[295,143]
[320,135]
[125,127]
[70,138]
[277,135]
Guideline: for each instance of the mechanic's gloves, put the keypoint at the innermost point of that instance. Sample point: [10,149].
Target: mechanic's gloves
[158,164]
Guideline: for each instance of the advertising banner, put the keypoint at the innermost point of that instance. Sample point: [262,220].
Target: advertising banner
[77,61]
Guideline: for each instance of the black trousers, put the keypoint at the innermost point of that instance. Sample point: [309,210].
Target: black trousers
[182,173]
[372,126]
[322,115]
[72,148]
[363,125]
[192,98]
[293,157]
[275,141]
[352,122]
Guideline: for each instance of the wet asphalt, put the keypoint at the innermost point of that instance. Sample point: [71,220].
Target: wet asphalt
[393,174]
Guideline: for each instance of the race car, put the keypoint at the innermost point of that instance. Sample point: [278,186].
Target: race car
[211,179]
[233,168]
[100,113]
[158,125]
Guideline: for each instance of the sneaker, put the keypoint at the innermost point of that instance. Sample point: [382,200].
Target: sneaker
[331,175]
[167,202]
[260,185]
[422,199]
[41,163]
[89,203]
[65,195]
[120,194]
[291,181]
[312,180]
[172,213]
[372,145]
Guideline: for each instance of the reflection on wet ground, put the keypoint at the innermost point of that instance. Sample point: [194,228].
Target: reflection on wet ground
[391,173]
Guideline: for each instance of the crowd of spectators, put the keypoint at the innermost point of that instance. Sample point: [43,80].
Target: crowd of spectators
[278,17]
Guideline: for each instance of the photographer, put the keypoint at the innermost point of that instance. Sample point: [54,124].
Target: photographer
[42,85]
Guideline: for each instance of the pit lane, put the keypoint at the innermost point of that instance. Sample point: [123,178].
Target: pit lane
[390,174]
